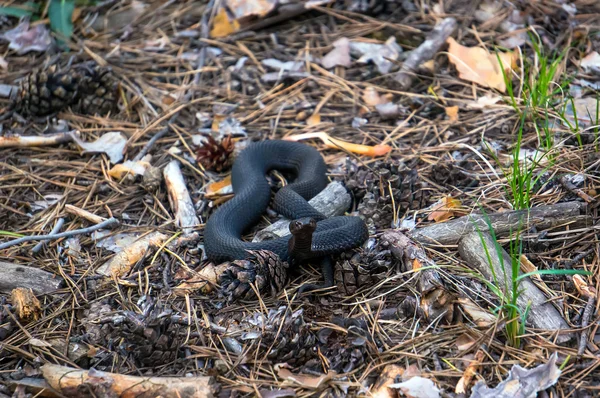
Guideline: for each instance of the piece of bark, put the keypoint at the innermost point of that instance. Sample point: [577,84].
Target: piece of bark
[542,314]
[13,276]
[122,262]
[35,141]
[70,382]
[426,51]
[27,306]
[179,198]
[334,200]
[543,217]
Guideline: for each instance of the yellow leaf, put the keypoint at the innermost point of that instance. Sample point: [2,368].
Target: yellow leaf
[444,209]
[313,120]
[330,142]
[479,66]
[223,26]
[452,113]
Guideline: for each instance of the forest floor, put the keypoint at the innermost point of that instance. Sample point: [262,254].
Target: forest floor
[467,139]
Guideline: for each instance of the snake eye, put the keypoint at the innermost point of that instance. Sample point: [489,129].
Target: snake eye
[313,223]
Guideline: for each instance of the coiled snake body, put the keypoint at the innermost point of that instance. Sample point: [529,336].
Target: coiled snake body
[223,231]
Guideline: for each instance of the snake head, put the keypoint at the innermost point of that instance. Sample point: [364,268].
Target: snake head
[303,226]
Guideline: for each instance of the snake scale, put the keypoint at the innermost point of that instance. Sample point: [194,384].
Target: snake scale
[226,226]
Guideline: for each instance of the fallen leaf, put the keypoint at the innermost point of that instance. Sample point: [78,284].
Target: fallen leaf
[131,167]
[372,97]
[377,150]
[521,382]
[23,40]
[488,9]
[583,287]
[464,342]
[305,381]
[314,119]
[382,55]
[250,8]
[478,315]
[292,66]
[479,66]
[112,144]
[387,377]
[114,243]
[591,62]
[417,387]
[483,102]
[39,343]
[339,56]
[585,110]
[452,113]
[469,373]
[222,26]
[428,66]
[219,188]
[444,208]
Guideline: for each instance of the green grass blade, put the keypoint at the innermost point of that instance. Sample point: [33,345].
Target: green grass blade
[554,272]
[26,10]
[60,13]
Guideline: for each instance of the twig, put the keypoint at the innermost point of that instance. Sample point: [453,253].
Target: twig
[153,140]
[425,51]
[108,223]
[585,321]
[54,231]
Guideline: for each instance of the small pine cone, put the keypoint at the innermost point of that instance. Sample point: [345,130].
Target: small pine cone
[447,174]
[99,92]
[363,267]
[215,155]
[264,269]
[385,189]
[43,93]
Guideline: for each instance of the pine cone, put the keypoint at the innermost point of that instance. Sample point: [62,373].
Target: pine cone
[386,188]
[448,174]
[215,155]
[43,93]
[363,267]
[87,90]
[264,269]
[99,90]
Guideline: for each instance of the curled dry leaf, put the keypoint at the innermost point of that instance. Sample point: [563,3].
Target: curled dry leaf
[131,167]
[382,55]
[367,150]
[445,208]
[23,40]
[222,26]
[219,188]
[464,342]
[314,119]
[372,97]
[483,102]
[583,287]
[27,306]
[112,144]
[339,56]
[477,65]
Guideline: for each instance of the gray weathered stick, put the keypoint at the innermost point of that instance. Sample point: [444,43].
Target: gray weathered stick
[435,40]
[179,198]
[543,217]
[334,200]
[542,314]
[13,276]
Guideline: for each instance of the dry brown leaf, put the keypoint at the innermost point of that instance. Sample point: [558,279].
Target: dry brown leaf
[418,387]
[250,8]
[222,26]
[314,119]
[372,97]
[477,65]
[464,342]
[129,167]
[219,188]
[305,381]
[27,306]
[444,209]
[479,316]
[591,62]
[387,378]
[469,373]
[452,113]
[367,150]
[583,287]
